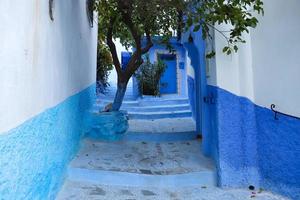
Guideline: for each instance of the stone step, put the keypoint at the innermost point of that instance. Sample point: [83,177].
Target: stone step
[126,103]
[79,190]
[161,126]
[159,115]
[163,108]
[146,102]
[160,137]
[148,158]
[163,101]
[142,164]
[205,178]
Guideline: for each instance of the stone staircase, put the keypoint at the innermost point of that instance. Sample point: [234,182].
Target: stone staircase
[160,151]
[151,107]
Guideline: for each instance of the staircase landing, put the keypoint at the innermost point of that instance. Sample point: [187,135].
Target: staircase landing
[159,158]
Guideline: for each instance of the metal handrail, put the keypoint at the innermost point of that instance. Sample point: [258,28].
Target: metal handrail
[273,106]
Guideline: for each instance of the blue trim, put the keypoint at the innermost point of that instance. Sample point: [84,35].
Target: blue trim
[160,137]
[112,178]
[191,95]
[251,148]
[34,155]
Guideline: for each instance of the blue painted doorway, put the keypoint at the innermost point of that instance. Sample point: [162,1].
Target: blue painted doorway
[168,81]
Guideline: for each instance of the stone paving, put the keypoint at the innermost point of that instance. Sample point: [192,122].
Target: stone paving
[163,158]
[162,125]
[144,169]
[88,191]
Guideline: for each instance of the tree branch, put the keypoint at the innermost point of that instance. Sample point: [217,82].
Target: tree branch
[136,59]
[112,46]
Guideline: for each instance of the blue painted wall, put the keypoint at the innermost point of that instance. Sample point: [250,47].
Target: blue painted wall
[34,155]
[197,86]
[194,84]
[192,95]
[251,148]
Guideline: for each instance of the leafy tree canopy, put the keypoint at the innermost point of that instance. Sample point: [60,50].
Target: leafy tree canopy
[132,20]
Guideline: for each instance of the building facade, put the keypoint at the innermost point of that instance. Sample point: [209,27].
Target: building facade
[48,74]
[250,145]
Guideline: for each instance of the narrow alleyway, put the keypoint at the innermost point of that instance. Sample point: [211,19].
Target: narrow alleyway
[159,158]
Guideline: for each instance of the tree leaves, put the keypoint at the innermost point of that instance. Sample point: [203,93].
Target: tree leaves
[238,14]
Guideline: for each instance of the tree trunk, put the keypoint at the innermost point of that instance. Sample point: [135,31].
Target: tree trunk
[121,90]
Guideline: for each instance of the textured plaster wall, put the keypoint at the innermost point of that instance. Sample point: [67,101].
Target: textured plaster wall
[42,62]
[34,155]
[46,67]
[250,146]
[266,68]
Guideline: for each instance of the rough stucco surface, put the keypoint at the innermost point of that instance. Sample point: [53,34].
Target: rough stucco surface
[106,125]
[252,147]
[34,155]
[43,62]
[279,152]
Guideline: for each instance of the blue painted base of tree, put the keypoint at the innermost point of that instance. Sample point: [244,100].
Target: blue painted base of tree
[34,156]
[106,125]
[250,147]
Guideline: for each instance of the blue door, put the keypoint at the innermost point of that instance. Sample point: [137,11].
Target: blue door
[168,81]
[125,57]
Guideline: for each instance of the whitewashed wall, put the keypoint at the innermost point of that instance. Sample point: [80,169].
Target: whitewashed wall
[266,69]
[42,62]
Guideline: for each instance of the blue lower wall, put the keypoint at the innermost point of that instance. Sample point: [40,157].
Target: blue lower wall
[251,148]
[191,95]
[34,155]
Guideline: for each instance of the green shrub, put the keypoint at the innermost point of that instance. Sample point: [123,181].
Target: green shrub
[149,76]
[104,66]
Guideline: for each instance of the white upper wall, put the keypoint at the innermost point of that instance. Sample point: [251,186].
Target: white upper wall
[267,68]
[43,62]
[276,56]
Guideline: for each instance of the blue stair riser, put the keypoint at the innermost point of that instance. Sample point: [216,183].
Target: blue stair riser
[157,109]
[111,98]
[159,115]
[142,110]
[164,102]
[111,178]
[159,137]
[125,103]
[135,103]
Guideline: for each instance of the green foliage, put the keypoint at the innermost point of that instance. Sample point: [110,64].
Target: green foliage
[104,66]
[158,17]
[149,76]
[239,14]
[133,20]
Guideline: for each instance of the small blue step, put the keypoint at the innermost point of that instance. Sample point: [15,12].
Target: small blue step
[161,101]
[160,137]
[159,108]
[159,115]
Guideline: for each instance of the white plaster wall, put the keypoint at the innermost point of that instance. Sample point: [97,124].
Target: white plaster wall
[267,68]
[42,62]
[276,54]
